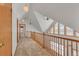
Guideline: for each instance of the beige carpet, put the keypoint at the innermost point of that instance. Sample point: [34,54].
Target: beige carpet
[28,47]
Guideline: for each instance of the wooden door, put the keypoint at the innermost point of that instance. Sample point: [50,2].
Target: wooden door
[5,30]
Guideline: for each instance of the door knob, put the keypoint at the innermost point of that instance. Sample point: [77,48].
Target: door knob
[1,44]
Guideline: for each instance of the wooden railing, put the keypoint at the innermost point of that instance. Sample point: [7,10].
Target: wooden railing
[57,45]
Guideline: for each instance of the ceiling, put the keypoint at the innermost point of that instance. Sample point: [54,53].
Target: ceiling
[65,13]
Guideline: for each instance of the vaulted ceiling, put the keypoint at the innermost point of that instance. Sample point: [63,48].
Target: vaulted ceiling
[65,13]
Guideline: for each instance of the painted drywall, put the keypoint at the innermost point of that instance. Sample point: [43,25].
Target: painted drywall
[17,13]
[65,13]
[14,33]
[31,28]
[44,24]
[34,21]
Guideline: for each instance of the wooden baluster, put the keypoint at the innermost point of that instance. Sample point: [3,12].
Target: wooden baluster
[50,44]
[54,46]
[61,47]
[57,41]
[67,48]
[58,46]
[71,48]
[43,41]
[76,49]
[64,47]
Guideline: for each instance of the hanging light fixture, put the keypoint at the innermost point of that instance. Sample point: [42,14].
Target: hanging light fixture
[26,8]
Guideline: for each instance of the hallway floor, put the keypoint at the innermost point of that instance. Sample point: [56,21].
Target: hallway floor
[28,47]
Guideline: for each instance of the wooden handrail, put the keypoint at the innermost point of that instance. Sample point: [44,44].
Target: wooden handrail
[66,38]
[57,45]
[59,36]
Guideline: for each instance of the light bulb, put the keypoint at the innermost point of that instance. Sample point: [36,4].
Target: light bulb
[26,8]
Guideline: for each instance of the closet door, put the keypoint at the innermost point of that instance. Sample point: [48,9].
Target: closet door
[5,30]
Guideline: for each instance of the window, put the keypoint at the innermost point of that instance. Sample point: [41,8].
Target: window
[69,31]
[48,32]
[56,28]
[51,30]
[61,29]
[77,34]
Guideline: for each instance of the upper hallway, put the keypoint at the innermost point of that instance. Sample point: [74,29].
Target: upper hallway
[41,17]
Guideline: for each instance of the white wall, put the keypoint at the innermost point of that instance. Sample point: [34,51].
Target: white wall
[17,12]
[31,28]
[44,24]
[14,32]
[65,13]
[34,20]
